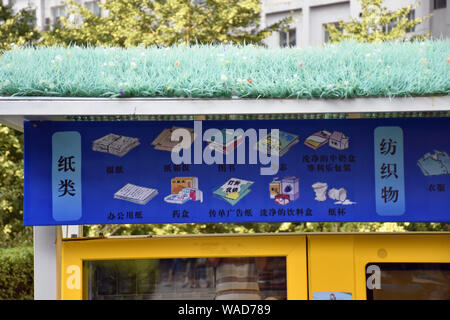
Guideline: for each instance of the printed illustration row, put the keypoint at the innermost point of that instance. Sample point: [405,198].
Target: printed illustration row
[184,189]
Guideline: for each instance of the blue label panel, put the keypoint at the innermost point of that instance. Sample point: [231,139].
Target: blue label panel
[332,170]
[389,171]
[66,176]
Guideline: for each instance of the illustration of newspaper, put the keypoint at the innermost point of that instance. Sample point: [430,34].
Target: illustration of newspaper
[115,144]
[135,194]
[164,140]
[234,190]
[285,142]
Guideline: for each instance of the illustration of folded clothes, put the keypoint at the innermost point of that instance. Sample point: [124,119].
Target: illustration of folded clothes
[317,139]
[115,144]
[434,164]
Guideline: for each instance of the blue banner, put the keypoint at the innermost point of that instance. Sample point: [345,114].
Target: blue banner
[237,171]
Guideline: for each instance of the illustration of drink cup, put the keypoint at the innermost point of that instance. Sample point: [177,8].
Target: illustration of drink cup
[320,188]
[338,194]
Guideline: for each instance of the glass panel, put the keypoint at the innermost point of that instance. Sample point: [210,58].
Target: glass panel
[440,4]
[411,16]
[292,38]
[93,7]
[191,278]
[410,281]
[283,39]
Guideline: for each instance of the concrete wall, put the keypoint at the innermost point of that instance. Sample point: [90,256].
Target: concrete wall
[315,13]
[321,15]
[440,23]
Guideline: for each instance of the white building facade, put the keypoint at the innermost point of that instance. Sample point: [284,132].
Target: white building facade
[309,17]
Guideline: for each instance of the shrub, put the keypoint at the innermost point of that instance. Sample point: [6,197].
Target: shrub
[16,274]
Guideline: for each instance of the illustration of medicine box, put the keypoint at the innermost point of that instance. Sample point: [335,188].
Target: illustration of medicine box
[178,183]
[290,187]
[338,140]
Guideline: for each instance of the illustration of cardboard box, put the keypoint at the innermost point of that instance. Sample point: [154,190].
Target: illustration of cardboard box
[178,183]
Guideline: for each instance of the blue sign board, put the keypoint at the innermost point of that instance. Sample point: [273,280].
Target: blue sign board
[237,171]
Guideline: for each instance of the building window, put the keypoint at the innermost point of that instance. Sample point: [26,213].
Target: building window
[411,16]
[57,14]
[288,39]
[440,4]
[393,23]
[93,7]
[326,33]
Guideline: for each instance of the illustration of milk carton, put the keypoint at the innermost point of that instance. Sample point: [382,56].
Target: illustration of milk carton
[274,188]
[290,187]
[338,140]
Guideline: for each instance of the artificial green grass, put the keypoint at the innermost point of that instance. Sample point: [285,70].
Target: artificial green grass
[346,70]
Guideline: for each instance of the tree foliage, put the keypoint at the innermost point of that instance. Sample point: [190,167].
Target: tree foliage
[16,273]
[16,29]
[375,24]
[163,22]
[12,231]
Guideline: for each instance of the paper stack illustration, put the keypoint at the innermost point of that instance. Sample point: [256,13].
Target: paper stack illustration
[228,142]
[135,194]
[115,144]
[434,164]
[234,190]
[285,142]
[184,189]
[164,140]
[336,140]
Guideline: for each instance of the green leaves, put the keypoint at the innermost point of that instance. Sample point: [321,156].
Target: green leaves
[376,24]
[164,22]
[16,274]
[16,29]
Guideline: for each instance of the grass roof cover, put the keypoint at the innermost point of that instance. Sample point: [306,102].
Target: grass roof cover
[346,70]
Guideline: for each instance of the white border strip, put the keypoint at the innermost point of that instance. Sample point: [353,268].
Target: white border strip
[14,111]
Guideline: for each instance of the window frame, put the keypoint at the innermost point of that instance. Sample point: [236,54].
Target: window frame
[75,252]
[407,266]
[439,4]
[287,34]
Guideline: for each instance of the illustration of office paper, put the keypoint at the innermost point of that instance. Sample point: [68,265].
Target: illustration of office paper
[115,144]
[233,190]
[135,194]
[164,140]
[285,142]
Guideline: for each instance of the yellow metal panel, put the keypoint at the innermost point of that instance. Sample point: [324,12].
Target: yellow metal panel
[330,264]
[293,247]
[338,262]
